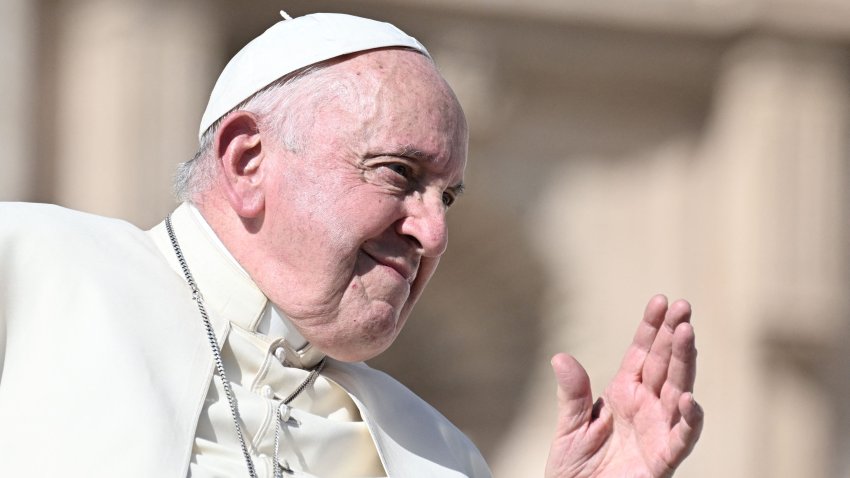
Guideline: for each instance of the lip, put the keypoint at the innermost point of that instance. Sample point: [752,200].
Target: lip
[401,267]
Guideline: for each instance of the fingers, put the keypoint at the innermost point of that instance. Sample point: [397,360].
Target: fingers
[653,318]
[682,371]
[683,364]
[657,363]
[686,433]
[575,401]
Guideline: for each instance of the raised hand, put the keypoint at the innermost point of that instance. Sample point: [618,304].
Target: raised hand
[646,422]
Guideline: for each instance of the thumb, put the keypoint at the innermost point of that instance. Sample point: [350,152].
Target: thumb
[575,400]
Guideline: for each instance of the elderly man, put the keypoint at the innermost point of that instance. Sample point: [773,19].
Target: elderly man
[229,340]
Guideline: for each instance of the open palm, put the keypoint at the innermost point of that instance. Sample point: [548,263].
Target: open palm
[646,422]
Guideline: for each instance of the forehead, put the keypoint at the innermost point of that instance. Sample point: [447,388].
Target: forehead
[396,96]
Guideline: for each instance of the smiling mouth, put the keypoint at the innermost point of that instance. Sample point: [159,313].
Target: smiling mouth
[400,267]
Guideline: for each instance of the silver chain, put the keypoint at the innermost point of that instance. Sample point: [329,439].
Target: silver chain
[314,373]
[219,365]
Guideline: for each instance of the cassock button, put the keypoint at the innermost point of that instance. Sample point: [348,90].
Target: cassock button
[284,412]
[267,391]
[280,354]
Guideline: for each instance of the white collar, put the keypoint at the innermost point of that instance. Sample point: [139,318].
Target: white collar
[273,321]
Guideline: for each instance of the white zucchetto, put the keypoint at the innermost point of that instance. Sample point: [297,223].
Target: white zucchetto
[292,44]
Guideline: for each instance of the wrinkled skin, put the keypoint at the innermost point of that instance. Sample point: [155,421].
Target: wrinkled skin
[343,233]
[646,421]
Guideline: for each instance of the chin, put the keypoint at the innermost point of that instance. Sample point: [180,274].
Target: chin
[371,337]
[359,352]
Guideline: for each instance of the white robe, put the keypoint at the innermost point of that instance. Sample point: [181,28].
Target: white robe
[105,365]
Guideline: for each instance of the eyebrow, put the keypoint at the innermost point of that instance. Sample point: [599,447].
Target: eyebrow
[411,152]
[458,188]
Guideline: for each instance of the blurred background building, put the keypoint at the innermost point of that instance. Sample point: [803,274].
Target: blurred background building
[693,147]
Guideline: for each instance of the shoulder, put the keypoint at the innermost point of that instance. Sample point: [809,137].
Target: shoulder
[59,266]
[406,418]
[28,218]
[50,229]
[48,242]
[375,387]
[363,381]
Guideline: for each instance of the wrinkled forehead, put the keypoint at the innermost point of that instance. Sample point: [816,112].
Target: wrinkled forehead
[401,83]
[387,102]
[292,44]
[407,85]
[407,105]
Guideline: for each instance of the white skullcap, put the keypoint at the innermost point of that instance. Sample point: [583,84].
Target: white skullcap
[292,44]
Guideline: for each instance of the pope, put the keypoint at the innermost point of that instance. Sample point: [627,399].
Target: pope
[229,340]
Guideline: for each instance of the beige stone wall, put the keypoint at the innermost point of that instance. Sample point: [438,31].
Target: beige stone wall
[107,101]
[17,119]
[692,148]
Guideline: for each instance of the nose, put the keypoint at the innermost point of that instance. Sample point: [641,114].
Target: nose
[425,223]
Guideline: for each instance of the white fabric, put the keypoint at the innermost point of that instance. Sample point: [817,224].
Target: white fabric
[290,45]
[273,321]
[329,423]
[105,365]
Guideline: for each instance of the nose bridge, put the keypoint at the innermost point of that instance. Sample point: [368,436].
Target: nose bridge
[428,221]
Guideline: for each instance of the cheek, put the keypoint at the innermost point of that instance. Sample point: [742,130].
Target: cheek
[317,224]
[366,217]
[426,269]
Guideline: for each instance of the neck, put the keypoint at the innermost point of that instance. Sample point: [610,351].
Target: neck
[274,322]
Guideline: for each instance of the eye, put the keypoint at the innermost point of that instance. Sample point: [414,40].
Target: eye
[448,199]
[402,170]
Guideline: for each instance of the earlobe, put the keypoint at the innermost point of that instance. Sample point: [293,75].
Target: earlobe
[240,154]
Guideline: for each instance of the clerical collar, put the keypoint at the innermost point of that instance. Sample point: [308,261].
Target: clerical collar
[295,351]
[273,322]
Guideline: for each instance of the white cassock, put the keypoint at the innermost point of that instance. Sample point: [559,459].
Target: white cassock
[106,369]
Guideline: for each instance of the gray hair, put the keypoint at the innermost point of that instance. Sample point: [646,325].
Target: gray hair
[281,108]
[276,106]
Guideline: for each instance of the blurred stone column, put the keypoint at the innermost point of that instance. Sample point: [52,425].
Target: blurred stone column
[17,83]
[611,231]
[774,220]
[747,218]
[133,77]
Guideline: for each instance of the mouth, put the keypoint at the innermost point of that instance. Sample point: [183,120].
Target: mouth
[400,266]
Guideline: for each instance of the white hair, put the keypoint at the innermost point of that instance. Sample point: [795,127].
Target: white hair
[286,107]
[280,107]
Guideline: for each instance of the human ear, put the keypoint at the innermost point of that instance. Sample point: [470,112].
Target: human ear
[239,152]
